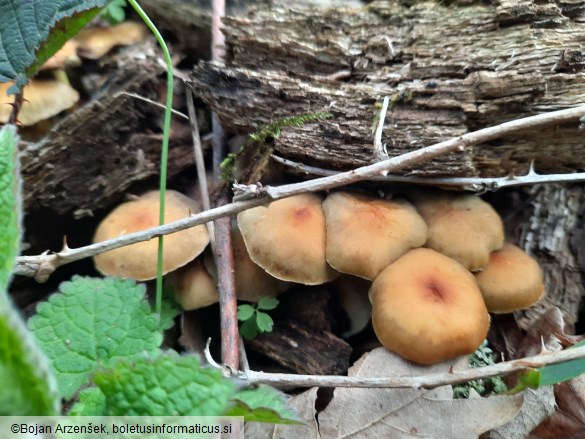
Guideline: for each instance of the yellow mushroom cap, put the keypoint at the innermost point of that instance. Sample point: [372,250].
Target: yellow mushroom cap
[287,239]
[138,261]
[194,288]
[365,234]
[511,281]
[42,99]
[463,227]
[428,308]
[93,43]
[252,282]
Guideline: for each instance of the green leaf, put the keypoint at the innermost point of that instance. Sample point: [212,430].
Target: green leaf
[245,312]
[268,303]
[263,404]
[557,373]
[92,322]
[249,330]
[32,31]
[170,310]
[114,12]
[28,387]
[9,204]
[169,385]
[92,402]
[264,322]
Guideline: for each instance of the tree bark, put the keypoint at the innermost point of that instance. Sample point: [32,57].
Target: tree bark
[448,69]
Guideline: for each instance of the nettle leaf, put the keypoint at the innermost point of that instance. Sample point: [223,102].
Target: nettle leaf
[9,204]
[92,402]
[268,303]
[245,312]
[264,322]
[169,385]
[264,404]
[91,323]
[28,386]
[32,31]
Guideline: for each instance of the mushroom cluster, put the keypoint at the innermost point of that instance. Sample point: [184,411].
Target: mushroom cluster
[437,266]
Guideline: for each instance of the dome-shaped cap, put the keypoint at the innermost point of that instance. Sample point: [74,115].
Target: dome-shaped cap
[287,239]
[139,261]
[428,308]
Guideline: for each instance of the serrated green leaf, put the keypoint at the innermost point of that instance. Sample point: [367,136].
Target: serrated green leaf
[169,385]
[28,387]
[32,31]
[92,402]
[264,322]
[9,204]
[245,312]
[91,323]
[169,311]
[268,303]
[249,330]
[264,404]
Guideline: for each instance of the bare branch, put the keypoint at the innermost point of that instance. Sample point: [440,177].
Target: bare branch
[416,382]
[199,162]
[42,266]
[472,184]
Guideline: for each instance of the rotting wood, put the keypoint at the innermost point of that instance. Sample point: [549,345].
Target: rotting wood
[303,350]
[102,149]
[450,69]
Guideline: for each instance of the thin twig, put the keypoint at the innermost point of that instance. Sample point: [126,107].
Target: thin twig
[41,266]
[200,163]
[154,103]
[416,382]
[224,257]
[472,184]
[380,152]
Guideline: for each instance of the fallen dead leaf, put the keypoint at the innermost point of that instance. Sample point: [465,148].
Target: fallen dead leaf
[397,413]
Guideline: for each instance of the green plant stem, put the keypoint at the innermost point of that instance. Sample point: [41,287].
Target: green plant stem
[165,145]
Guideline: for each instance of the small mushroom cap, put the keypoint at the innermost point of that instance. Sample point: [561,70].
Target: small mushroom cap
[463,227]
[428,308]
[138,261]
[252,282]
[511,281]
[42,99]
[287,239]
[66,56]
[95,42]
[365,234]
[194,287]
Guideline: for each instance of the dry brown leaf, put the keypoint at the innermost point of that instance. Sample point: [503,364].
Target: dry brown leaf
[538,405]
[396,413]
[410,413]
[568,422]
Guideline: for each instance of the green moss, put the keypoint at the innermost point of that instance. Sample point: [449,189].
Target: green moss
[256,143]
[272,130]
[483,356]
[227,166]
